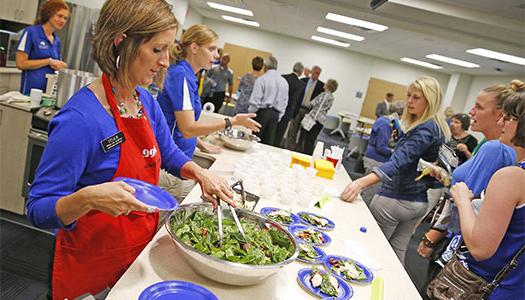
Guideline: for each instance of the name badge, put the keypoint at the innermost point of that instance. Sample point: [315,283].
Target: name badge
[113,141]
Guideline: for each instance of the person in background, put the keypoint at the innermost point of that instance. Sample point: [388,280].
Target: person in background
[246,84]
[382,108]
[295,90]
[449,112]
[313,87]
[461,141]
[217,77]
[180,102]
[475,172]
[306,73]
[319,108]
[269,100]
[38,51]
[111,128]
[497,233]
[383,138]
[402,201]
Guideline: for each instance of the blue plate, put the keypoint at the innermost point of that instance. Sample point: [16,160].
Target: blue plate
[176,290]
[329,226]
[303,277]
[150,194]
[295,219]
[317,260]
[297,228]
[369,275]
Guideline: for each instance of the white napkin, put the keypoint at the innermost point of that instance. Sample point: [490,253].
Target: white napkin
[358,251]
[14,95]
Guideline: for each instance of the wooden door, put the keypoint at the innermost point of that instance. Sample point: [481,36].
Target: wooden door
[241,60]
[377,88]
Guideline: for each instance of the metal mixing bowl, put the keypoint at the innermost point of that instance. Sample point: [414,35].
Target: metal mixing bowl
[222,270]
[238,139]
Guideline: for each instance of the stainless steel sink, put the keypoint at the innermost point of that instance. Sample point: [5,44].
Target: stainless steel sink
[203,160]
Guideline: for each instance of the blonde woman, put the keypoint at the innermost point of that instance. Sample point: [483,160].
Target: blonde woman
[402,201]
[101,226]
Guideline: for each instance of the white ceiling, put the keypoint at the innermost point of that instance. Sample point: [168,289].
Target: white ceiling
[416,28]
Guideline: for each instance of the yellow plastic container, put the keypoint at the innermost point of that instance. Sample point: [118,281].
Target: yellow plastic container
[301,159]
[324,168]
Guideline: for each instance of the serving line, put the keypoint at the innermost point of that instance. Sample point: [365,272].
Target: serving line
[161,261]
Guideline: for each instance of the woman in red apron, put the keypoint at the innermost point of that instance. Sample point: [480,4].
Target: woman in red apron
[111,128]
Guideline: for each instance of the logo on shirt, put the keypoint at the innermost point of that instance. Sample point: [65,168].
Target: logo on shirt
[149,152]
[43,45]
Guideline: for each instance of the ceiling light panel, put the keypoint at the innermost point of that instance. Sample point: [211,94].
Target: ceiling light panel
[341,34]
[421,63]
[330,41]
[355,22]
[498,55]
[453,61]
[232,9]
[242,21]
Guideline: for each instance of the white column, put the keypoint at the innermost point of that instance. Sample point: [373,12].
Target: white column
[457,91]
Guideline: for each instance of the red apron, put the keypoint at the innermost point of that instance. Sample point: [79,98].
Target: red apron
[95,254]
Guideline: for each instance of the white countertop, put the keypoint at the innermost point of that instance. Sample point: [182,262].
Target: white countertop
[161,261]
[13,70]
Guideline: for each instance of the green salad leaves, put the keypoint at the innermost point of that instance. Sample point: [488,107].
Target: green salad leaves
[327,283]
[201,231]
[307,252]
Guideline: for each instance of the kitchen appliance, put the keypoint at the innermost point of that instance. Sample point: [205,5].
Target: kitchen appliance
[12,43]
[69,82]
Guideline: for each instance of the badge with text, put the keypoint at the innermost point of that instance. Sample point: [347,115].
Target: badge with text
[113,141]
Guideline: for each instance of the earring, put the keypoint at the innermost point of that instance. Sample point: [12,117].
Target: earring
[117,62]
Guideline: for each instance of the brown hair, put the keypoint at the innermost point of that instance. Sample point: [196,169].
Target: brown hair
[199,34]
[140,21]
[257,63]
[48,9]
[514,105]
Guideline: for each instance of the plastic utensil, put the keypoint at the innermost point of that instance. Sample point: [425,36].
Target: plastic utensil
[377,289]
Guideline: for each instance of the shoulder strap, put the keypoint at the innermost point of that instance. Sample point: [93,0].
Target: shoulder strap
[504,271]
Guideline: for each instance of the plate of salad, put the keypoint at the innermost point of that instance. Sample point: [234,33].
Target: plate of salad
[310,254]
[348,269]
[309,235]
[323,284]
[317,221]
[281,216]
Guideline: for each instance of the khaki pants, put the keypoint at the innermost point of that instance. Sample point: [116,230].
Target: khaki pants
[178,188]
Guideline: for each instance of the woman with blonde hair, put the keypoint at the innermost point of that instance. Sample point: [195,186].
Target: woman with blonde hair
[179,98]
[108,129]
[402,201]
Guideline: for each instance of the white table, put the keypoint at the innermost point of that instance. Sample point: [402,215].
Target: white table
[160,260]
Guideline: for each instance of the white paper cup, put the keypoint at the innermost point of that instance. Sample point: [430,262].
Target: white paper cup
[36,97]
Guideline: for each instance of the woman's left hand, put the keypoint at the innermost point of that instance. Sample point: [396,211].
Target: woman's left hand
[247,121]
[351,191]
[462,147]
[214,186]
[209,147]
[461,193]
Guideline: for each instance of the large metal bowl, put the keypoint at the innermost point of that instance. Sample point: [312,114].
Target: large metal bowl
[237,139]
[222,270]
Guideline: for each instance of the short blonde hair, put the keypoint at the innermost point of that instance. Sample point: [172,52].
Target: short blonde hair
[198,34]
[331,85]
[431,90]
[140,21]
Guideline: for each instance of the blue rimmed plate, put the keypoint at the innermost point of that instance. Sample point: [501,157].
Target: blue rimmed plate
[267,210]
[317,260]
[303,216]
[344,291]
[176,290]
[150,194]
[297,230]
[328,265]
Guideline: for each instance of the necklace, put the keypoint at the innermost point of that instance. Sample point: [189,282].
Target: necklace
[123,110]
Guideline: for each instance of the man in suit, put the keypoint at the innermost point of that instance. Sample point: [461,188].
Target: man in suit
[313,87]
[382,107]
[295,91]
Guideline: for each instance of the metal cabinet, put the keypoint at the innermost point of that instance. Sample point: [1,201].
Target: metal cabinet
[14,127]
[21,11]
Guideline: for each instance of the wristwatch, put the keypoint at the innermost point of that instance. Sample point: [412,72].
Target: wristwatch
[428,243]
[228,124]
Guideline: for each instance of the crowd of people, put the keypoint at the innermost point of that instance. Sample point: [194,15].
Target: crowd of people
[101,227]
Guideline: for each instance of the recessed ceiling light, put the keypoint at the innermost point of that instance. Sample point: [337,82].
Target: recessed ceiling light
[497,55]
[340,34]
[356,22]
[232,9]
[421,63]
[329,41]
[453,61]
[242,21]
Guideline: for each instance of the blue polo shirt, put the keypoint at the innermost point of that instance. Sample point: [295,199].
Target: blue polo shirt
[180,93]
[35,43]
